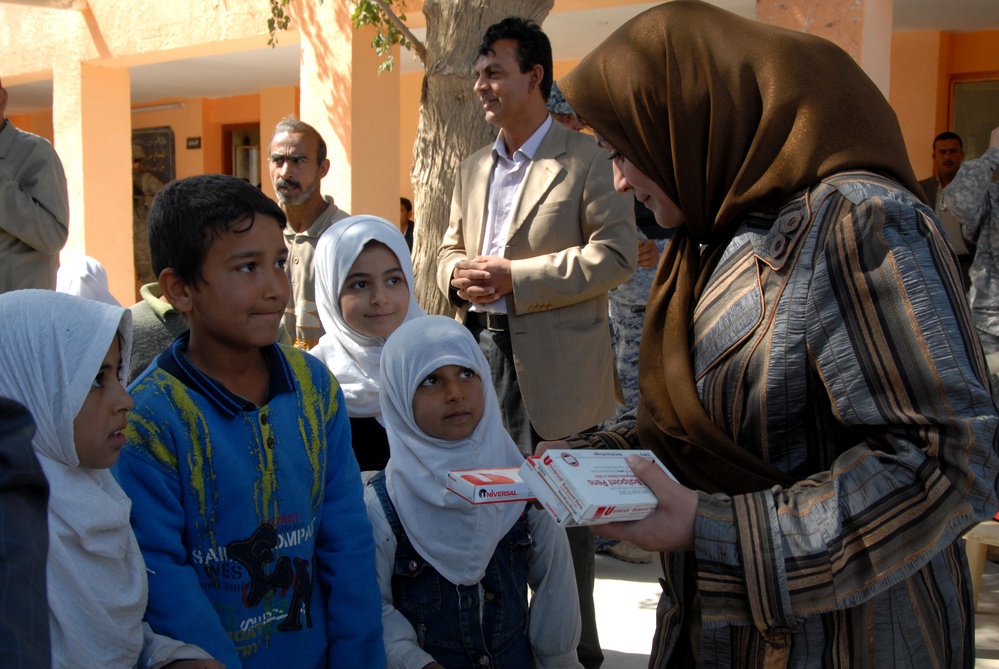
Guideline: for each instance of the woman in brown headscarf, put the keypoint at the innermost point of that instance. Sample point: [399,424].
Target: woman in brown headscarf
[808,367]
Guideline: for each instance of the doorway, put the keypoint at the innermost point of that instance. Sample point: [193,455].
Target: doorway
[241,151]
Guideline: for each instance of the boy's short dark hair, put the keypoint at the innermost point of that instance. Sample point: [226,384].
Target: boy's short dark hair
[188,214]
[404,201]
[533,46]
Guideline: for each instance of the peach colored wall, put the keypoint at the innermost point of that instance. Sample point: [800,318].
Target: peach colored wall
[275,104]
[375,111]
[92,107]
[326,39]
[914,94]
[925,66]
[129,32]
[974,53]
[354,108]
[36,122]
[862,28]
[224,111]
[185,122]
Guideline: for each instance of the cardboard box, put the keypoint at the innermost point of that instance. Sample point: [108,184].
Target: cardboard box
[598,485]
[489,486]
[546,497]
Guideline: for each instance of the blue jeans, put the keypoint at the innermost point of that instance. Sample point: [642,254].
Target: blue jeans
[465,627]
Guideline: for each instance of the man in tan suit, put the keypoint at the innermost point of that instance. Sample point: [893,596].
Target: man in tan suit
[537,237]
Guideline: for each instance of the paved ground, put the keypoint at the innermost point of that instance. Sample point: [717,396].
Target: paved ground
[987,619]
[626,596]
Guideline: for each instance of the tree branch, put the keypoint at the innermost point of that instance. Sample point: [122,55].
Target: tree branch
[418,47]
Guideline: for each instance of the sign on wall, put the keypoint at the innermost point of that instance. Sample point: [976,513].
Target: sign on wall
[156,147]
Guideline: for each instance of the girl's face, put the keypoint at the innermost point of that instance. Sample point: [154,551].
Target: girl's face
[97,429]
[375,296]
[448,404]
[627,177]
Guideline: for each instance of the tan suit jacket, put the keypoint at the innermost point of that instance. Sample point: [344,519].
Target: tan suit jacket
[572,238]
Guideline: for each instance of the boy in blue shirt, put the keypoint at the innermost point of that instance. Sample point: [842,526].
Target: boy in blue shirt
[247,499]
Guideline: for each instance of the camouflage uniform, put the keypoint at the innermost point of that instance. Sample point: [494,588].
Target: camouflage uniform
[974,196]
[145,186]
[627,312]
[627,315]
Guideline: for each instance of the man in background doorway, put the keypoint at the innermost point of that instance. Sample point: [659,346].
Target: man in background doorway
[948,154]
[297,163]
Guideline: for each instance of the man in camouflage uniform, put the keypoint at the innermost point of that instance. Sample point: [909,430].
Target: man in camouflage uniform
[627,305]
[975,197]
[145,186]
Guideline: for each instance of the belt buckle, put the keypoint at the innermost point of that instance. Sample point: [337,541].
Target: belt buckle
[490,320]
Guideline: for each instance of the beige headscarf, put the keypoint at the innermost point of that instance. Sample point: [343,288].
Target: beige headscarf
[728,116]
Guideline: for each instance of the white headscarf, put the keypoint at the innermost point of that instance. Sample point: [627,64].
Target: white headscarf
[351,356]
[456,537]
[85,277]
[52,346]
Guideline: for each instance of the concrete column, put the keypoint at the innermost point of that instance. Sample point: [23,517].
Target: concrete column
[376,186]
[920,93]
[354,108]
[861,27]
[275,103]
[92,126]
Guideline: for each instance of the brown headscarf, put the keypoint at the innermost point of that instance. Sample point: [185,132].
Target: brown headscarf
[728,116]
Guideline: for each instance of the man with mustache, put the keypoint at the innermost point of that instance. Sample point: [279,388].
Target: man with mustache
[948,154]
[297,162]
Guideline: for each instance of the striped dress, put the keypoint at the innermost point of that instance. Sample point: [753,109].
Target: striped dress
[834,341]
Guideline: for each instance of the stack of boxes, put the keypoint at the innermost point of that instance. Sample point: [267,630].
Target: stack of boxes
[576,487]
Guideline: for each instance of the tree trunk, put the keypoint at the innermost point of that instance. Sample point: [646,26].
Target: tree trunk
[452,123]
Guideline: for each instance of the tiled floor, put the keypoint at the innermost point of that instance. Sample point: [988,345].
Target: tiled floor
[626,595]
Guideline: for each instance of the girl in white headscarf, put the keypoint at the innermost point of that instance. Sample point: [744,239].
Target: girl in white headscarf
[454,575]
[364,291]
[64,358]
[86,277]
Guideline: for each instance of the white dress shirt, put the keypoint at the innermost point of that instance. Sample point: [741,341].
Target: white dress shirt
[505,185]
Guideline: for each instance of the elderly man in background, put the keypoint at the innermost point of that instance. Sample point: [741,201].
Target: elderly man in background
[297,162]
[34,207]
